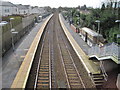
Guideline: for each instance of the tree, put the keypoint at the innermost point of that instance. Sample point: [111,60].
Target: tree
[83,7]
[103,7]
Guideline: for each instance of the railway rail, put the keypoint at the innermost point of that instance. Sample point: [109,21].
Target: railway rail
[54,64]
[73,77]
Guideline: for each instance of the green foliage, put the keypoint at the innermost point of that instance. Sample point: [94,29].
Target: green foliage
[113,34]
[17,20]
[107,16]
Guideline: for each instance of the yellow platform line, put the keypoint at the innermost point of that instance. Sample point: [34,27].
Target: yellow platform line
[23,73]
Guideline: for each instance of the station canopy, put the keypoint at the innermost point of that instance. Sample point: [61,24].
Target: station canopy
[91,32]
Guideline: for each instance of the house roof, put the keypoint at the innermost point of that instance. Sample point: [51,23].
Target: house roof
[20,6]
[27,6]
[6,3]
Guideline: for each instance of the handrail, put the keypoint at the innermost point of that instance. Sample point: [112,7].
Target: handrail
[104,51]
[103,71]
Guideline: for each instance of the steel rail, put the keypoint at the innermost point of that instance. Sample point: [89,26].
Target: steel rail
[81,81]
[50,72]
[62,61]
[38,67]
[74,64]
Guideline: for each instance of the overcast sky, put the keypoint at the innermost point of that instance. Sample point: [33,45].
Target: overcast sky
[57,3]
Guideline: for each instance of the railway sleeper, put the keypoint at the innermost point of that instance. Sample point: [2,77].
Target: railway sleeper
[45,63]
[43,84]
[44,67]
[68,66]
[70,69]
[44,80]
[44,75]
[43,72]
[72,77]
[40,85]
[67,60]
[68,63]
[74,81]
[76,85]
[72,74]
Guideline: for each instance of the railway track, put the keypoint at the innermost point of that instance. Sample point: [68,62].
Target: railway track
[43,76]
[72,75]
[56,67]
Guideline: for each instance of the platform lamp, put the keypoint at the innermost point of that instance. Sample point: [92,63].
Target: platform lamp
[118,21]
[118,35]
[98,21]
[12,32]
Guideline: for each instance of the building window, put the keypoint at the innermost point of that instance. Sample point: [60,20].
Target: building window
[6,10]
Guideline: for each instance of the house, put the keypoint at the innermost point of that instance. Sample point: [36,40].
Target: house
[22,9]
[41,10]
[8,8]
[29,8]
[35,10]
[86,12]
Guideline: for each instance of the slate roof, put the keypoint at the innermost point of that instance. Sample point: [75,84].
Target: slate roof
[20,6]
[6,3]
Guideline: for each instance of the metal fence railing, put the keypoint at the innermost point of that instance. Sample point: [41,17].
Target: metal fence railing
[107,50]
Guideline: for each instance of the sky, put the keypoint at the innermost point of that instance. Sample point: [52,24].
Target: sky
[57,3]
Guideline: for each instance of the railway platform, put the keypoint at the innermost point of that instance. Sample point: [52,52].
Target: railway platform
[82,49]
[12,60]
[68,70]
[71,68]
[23,73]
[92,66]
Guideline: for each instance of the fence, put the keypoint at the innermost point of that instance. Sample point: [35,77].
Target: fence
[107,50]
[20,28]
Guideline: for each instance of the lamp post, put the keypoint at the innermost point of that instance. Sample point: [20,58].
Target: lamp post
[118,21]
[78,23]
[11,22]
[98,21]
[12,32]
[118,35]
